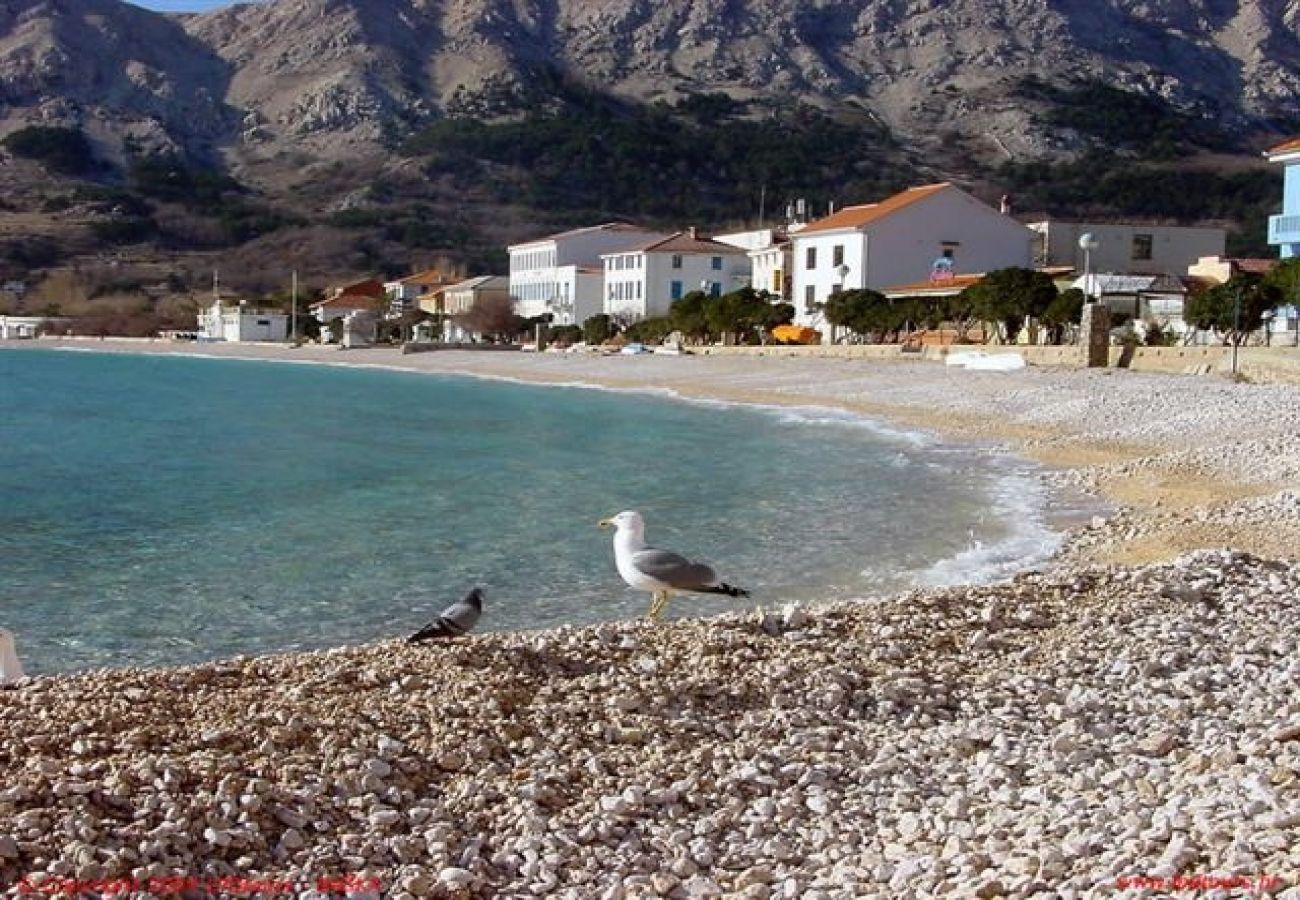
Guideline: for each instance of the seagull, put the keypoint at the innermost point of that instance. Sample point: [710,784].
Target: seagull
[661,572]
[455,620]
[11,670]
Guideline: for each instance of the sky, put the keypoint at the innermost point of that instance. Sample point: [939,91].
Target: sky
[181,5]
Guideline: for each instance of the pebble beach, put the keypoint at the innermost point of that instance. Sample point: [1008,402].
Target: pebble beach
[1123,721]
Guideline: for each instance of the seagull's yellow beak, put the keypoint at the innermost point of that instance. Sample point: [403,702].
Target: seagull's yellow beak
[605,523]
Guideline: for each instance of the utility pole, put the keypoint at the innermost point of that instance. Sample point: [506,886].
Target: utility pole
[1236,326]
[293,314]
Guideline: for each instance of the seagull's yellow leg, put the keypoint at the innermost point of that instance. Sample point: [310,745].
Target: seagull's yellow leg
[653,612]
[658,605]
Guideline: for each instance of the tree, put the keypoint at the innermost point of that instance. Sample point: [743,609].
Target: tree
[1285,276]
[1008,296]
[687,316]
[861,311]
[1065,310]
[491,316]
[1234,308]
[563,335]
[650,331]
[598,329]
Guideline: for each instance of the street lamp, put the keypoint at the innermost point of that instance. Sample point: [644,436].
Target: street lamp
[1087,243]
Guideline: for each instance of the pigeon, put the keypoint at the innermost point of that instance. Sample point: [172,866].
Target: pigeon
[455,620]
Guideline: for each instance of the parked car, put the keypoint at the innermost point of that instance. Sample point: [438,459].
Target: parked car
[634,348]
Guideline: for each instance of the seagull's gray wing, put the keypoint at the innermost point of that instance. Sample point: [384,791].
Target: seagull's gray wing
[673,569]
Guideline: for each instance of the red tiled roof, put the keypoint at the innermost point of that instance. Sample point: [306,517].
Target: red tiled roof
[352,301]
[685,242]
[1253,266]
[1287,146]
[368,288]
[869,213]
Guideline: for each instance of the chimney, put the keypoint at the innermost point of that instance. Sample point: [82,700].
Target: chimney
[691,233]
[830,208]
[1005,206]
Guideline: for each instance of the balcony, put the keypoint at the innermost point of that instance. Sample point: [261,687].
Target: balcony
[1284,229]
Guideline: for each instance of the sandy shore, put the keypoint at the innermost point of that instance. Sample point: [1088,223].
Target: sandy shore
[1109,725]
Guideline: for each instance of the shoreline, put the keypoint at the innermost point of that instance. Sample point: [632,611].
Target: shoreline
[1106,724]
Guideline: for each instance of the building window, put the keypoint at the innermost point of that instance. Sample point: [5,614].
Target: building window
[1142,246]
[948,253]
[810,299]
[676,289]
[717,262]
[810,258]
[776,281]
[715,289]
[837,255]
[677,260]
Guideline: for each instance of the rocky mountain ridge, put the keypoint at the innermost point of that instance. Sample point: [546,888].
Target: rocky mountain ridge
[335,78]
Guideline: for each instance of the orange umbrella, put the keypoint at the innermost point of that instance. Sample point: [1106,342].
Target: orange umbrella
[796,334]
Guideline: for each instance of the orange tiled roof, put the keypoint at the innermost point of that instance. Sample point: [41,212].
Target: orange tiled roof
[428,276]
[956,282]
[368,288]
[869,213]
[352,301]
[1284,147]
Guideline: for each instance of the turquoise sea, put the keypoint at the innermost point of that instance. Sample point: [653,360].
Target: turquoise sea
[163,510]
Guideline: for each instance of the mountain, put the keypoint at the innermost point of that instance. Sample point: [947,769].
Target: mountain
[311,99]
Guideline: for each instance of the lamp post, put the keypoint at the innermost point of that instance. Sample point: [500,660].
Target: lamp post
[1087,243]
[1236,326]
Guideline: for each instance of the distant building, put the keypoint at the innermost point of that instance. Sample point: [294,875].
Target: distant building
[561,274]
[1125,249]
[769,251]
[408,294]
[644,281]
[20,327]
[218,322]
[459,298]
[934,232]
[1284,228]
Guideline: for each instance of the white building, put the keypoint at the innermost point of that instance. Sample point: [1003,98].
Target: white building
[458,299]
[241,323]
[769,259]
[561,274]
[1125,249]
[405,294]
[931,232]
[20,327]
[644,281]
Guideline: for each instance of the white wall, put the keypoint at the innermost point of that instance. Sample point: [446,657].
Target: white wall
[536,273]
[765,265]
[1173,248]
[825,278]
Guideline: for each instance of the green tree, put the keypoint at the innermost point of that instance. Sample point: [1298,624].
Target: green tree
[650,331]
[687,316]
[1285,276]
[1234,308]
[1006,297]
[598,329]
[1065,310]
[62,150]
[564,335]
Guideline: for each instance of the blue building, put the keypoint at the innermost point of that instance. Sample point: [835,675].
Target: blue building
[1284,229]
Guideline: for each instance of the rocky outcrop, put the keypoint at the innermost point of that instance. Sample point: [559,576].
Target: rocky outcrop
[336,75]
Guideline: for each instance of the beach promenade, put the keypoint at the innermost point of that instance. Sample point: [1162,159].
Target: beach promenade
[1123,722]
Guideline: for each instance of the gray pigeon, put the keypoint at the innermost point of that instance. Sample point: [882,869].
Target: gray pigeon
[455,620]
